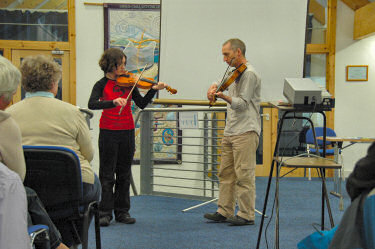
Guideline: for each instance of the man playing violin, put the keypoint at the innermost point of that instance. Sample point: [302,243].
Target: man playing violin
[241,138]
[116,135]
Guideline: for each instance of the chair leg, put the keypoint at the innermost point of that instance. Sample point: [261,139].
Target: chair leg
[85,227]
[92,210]
[76,236]
[309,170]
[97,227]
[341,179]
[338,181]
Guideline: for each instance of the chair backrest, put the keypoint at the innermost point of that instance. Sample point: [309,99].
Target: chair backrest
[40,232]
[319,133]
[369,220]
[55,175]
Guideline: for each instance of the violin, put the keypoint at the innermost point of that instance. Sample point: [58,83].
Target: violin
[224,85]
[128,80]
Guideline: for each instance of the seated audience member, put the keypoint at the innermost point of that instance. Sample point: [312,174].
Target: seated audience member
[361,181]
[13,211]
[45,120]
[11,153]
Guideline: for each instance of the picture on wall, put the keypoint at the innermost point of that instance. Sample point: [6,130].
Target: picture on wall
[166,137]
[135,29]
[357,73]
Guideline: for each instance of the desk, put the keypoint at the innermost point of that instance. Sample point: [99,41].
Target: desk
[338,145]
[307,162]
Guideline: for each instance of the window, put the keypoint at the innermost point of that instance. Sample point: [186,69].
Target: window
[31,21]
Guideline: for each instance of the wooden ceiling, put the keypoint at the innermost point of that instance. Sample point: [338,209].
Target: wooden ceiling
[364,17]
[34,4]
[62,4]
[364,24]
[356,4]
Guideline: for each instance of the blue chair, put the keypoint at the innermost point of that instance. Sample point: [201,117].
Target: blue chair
[319,133]
[39,233]
[369,220]
[55,175]
[310,143]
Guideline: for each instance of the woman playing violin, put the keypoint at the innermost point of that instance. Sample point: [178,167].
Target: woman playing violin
[116,135]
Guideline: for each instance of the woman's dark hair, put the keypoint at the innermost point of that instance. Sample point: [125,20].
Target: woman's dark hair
[111,59]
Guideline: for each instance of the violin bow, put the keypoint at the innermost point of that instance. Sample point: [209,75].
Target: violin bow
[131,91]
[226,71]
[222,81]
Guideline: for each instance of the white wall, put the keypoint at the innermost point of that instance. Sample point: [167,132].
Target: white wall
[354,112]
[194,30]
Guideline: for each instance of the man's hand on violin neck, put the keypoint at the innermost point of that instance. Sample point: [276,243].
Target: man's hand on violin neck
[119,102]
[211,91]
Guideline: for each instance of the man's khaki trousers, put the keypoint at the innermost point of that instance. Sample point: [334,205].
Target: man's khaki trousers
[237,175]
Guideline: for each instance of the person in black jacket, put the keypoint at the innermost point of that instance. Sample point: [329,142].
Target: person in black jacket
[350,232]
[116,136]
[362,179]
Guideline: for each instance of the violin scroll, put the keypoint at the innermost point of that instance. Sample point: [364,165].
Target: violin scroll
[171,90]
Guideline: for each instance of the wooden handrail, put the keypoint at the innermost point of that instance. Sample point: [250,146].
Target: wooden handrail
[195,102]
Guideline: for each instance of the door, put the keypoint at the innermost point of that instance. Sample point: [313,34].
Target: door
[61,59]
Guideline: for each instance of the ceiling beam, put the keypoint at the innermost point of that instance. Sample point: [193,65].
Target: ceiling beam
[318,11]
[34,4]
[364,21]
[4,4]
[355,4]
[26,4]
[56,5]
[317,49]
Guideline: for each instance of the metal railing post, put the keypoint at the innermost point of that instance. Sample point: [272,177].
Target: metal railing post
[205,152]
[146,187]
[214,150]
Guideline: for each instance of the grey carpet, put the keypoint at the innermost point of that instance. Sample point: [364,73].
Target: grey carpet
[161,224]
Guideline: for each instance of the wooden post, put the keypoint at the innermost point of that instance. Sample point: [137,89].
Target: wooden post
[330,61]
[72,57]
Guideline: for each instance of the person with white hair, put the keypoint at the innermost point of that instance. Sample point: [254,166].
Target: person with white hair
[11,155]
[47,121]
